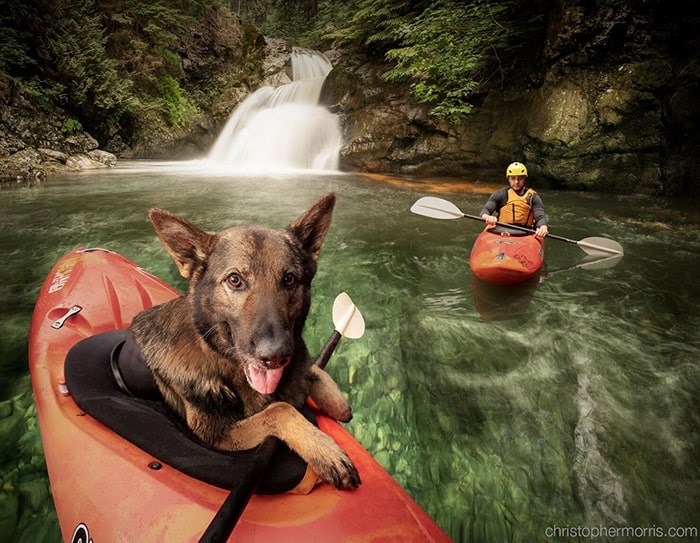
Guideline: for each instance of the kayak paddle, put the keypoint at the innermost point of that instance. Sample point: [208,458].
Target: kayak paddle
[588,263]
[348,322]
[437,208]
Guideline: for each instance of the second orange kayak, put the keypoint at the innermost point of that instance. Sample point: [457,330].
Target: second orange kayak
[506,256]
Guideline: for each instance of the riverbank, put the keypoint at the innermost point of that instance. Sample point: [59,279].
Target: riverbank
[36,142]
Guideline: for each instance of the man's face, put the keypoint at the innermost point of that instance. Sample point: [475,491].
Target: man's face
[516,182]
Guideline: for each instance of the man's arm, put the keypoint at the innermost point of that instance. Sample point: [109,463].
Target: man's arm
[496,201]
[538,211]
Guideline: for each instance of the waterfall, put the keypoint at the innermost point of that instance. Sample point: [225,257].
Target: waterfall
[283,128]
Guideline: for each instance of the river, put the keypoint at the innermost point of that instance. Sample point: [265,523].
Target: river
[573,402]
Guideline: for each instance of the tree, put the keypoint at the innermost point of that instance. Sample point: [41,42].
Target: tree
[446,53]
[15,39]
[75,67]
[447,50]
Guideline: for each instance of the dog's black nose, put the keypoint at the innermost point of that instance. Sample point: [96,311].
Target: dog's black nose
[273,348]
[272,362]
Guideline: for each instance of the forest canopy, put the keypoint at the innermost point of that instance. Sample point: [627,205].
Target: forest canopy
[114,63]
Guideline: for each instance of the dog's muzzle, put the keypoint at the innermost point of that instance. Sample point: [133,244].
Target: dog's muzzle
[264,374]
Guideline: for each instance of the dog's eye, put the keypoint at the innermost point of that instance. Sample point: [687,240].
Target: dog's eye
[289,280]
[234,280]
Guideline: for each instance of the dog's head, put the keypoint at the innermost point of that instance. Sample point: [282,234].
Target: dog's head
[249,287]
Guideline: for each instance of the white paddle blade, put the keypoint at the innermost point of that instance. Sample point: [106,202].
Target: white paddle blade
[436,208]
[600,246]
[347,318]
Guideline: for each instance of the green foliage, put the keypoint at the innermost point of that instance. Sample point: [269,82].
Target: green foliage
[177,108]
[73,69]
[444,52]
[287,19]
[107,62]
[145,37]
[12,51]
[15,40]
[446,49]
[373,23]
[71,126]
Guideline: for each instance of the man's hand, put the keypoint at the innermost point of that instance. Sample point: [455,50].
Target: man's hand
[490,220]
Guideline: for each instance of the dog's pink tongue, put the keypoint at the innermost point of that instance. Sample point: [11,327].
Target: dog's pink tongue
[264,381]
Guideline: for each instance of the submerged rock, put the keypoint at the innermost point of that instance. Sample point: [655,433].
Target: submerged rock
[32,165]
[22,166]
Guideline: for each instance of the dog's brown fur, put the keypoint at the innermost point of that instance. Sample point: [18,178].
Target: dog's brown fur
[242,317]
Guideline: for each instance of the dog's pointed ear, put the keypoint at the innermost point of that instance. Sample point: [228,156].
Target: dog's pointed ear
[312,225]
[187,244]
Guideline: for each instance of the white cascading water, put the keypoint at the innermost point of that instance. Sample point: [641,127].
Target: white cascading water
[283,128]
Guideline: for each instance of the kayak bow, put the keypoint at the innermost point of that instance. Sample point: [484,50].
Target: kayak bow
[503,259]
[106,488]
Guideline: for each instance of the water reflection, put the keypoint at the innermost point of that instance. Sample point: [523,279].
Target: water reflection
[503,302]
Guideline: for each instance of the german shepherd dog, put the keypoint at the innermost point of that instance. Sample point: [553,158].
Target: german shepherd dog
[228,355]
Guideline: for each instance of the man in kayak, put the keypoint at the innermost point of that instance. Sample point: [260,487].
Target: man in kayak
[516,204]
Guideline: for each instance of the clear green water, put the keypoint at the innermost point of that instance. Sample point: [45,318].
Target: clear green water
[579,408]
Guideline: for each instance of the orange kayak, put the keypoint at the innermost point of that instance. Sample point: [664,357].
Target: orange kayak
[106,488]
[506,256]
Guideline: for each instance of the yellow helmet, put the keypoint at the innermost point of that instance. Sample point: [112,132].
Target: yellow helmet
[516,168]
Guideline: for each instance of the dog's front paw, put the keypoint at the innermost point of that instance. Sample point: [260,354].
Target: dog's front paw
[334,466]
[341,473]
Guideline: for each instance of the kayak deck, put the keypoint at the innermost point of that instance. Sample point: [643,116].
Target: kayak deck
[106,486]
[504,258]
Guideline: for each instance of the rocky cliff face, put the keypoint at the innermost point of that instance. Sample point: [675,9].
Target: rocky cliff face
[36,142]
[217,61]
[610,103]
[604,98]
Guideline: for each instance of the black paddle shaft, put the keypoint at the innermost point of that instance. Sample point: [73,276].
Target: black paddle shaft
[437,208]
[522,228]
[229,513]
[325,354]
